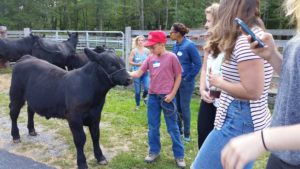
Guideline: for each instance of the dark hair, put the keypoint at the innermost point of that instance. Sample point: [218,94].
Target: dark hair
[181,28]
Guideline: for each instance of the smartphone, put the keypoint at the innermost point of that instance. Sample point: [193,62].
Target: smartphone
[246,29]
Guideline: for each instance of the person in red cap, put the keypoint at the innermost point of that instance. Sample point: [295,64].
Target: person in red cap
[165,74]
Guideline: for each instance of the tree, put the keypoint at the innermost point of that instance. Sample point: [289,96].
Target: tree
[117,14]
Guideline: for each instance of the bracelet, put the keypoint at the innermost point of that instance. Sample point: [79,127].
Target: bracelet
[263,140]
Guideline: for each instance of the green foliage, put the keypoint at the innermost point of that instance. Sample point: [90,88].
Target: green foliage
[273,14]
[117,14]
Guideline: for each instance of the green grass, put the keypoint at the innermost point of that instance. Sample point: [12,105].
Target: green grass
[119,110]
[5,70]
[124,134]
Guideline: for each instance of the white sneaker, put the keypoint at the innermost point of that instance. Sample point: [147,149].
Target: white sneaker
[180,162]
[137,108]
[151,157]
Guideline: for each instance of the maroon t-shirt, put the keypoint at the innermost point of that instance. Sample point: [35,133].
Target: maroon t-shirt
[163,70]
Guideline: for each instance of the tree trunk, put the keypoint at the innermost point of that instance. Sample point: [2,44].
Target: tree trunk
[167,14]
[76,22]
[176,9]
[142,20]
[98,18]
[124,14]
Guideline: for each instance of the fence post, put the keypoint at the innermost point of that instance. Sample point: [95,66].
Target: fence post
[3,32]
[27,32]
[86,39]
[128,45]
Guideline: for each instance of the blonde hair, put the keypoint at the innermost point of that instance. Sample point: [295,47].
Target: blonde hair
[135,41]
[225,32]
[292,8]
[213,10]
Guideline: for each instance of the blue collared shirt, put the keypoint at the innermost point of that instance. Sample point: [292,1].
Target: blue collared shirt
[189,58]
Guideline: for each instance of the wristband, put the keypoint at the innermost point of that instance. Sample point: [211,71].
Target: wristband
[263,140]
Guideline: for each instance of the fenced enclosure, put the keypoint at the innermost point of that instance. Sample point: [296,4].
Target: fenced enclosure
[122,42]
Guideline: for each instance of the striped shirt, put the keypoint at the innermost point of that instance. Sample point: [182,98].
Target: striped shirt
[259,108]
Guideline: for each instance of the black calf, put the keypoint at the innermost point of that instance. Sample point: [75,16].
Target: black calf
[77,96]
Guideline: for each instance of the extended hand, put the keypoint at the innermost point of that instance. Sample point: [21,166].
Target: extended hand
[241,150]
[267,51]
[169,98]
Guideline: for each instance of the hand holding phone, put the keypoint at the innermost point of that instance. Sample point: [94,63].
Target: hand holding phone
[247,30]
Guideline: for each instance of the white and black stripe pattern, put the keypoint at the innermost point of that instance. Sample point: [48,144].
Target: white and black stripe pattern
[259,108]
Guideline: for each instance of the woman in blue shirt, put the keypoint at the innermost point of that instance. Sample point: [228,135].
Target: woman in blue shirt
[190,61]
[138,54]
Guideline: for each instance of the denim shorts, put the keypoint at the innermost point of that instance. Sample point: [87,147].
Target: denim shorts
[238,121]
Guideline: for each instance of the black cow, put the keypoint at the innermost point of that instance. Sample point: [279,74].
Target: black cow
[13,50]
[57,53]
[77,96]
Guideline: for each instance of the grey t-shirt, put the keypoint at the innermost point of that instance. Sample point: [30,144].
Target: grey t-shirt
[287,105]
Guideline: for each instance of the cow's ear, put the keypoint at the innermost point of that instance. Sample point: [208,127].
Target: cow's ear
[91,54]
[69,34]
[99,49]
[34,37]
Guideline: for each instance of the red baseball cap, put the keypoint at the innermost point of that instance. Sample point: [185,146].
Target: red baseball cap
[155,37]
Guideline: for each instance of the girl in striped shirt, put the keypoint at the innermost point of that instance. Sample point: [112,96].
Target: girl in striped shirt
[245,83]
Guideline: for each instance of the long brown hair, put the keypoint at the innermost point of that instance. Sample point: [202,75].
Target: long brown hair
[225,32]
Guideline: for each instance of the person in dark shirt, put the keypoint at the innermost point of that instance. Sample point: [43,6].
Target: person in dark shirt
[190,61]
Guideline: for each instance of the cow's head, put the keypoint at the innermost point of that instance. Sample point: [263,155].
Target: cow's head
[32,39]
[73,39]
[112,66]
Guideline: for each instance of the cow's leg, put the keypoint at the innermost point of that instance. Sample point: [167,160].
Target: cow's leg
[79,138]
[30,123]
[95,133]
[15,107]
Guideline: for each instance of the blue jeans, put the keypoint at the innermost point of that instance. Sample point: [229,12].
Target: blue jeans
[183,97]
[145,80]
[154,111]
[276,163]
[238,121]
